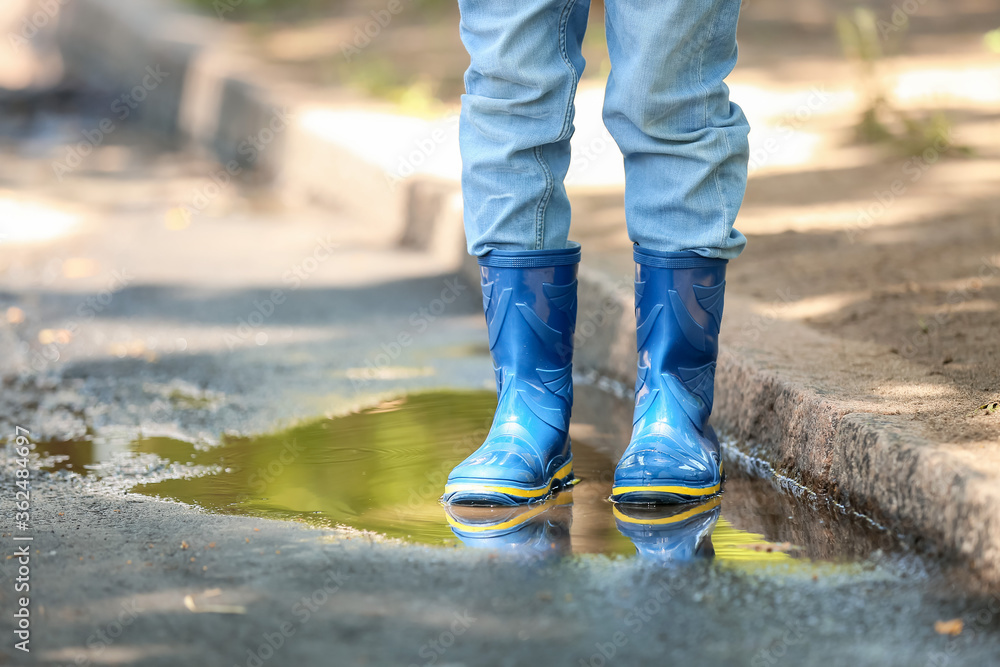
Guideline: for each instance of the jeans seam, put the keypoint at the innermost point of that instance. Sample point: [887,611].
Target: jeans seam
[574,75]
[543,203]
[715,175]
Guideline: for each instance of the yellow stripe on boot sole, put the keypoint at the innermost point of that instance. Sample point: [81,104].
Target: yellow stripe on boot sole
[523,518]
[561,474]
[676,518]
[680,490]
[685,490]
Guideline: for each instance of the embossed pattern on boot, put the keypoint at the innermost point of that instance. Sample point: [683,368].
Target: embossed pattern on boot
[673,455]
[531,316]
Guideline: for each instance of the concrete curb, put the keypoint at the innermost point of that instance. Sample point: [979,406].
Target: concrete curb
[877,464]
[233,108]
[144,36]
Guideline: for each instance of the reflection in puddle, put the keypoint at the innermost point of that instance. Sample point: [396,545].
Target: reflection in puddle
[383,470]
[542,529]
[670,534]
[69,455]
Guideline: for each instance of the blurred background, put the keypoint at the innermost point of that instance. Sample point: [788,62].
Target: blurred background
[874,138]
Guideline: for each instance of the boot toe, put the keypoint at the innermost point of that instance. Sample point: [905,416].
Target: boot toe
[665,475]
[505,474]
[498,467]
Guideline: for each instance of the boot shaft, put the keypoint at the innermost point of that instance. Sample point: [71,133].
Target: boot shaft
[678,305]
[529,299]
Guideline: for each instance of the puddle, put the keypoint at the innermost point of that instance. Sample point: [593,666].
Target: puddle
[383,470]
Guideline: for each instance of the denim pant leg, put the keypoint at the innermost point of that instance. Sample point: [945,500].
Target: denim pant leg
[685,144]
[517,120]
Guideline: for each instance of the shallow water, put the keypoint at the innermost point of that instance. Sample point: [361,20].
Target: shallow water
[384,468]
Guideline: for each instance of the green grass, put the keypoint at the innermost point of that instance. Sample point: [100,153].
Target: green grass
[866,43]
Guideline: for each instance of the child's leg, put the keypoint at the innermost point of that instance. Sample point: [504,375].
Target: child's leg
[685,148]
[517,119]
[685,143]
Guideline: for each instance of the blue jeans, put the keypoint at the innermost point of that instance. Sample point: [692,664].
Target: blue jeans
[666,105]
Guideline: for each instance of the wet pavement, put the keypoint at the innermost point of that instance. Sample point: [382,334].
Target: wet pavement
[298,470]
[328,537]
[382,469]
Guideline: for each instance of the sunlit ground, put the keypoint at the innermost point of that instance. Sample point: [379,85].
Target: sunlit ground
[793,127]
[26,221]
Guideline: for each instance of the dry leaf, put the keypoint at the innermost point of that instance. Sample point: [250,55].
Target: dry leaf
[213,608]
[952,627]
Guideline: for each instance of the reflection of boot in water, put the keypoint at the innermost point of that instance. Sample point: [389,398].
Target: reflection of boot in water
[534,530]
[670,533]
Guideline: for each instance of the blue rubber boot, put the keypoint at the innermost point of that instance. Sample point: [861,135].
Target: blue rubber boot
[670,534]
[530,302]
[540,530]
[673,456]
